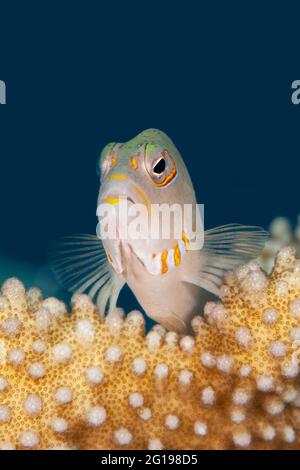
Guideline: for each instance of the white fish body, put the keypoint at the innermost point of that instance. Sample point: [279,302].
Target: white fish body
[169,280]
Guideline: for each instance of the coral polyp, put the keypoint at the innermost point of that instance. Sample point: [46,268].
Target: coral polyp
[83,382]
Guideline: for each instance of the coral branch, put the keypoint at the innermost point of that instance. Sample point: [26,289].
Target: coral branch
[79,381]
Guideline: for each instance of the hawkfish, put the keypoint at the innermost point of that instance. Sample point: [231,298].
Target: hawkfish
[169,279]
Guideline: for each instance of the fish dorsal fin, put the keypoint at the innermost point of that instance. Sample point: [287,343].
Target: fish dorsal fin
[225,248]
[80,265]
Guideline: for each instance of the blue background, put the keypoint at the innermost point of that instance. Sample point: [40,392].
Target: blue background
[214,76]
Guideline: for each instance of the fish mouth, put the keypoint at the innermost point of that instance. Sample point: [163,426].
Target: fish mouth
[116,198]
[113,192]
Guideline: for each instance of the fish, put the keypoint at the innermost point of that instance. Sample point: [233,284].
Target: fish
[170,280]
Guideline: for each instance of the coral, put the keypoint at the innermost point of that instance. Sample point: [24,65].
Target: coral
[84,382]
[282,234]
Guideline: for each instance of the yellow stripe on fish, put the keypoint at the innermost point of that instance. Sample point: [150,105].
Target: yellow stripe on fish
[111,200]
[117,177]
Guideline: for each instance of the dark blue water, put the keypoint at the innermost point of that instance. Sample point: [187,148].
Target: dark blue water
[217,78]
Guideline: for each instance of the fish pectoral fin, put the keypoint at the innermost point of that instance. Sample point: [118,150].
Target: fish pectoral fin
[109,293]
[80,265]
[224,249]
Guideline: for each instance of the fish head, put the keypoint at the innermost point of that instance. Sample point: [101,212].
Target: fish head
[147,170]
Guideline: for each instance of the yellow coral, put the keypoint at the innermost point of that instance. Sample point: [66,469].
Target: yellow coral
[83,382]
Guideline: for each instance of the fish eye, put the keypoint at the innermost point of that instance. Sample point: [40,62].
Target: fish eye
[160,166]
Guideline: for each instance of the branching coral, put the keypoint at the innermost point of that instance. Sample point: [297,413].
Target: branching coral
[282,234]
[84,382]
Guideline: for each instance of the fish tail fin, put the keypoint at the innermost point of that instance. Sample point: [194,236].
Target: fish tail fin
[80,265]
[224,249]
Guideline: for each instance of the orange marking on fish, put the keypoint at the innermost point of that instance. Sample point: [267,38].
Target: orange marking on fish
[168,178]
[134,163]
[164,265]
[177,255]
[185,241]
[113,160]
[111,261]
